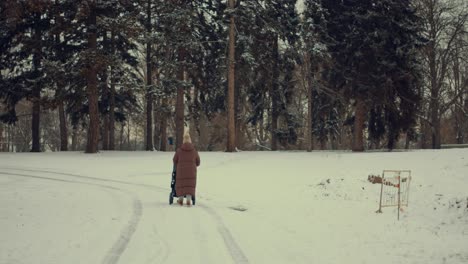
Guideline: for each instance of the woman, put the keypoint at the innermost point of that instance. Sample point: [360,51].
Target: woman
[186,160]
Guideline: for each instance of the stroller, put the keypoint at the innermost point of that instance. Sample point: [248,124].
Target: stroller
[173,194]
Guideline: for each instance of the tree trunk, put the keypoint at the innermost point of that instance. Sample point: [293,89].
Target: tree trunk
[73,139]
[180,109]
[121,135]
[112,116]
[196,117]
[36,114]
[238,106]
[359,118]
[434,113]
[136,138]
[61,106]
[112,98]
[157,129]
[105,94]
[92,90]
[231,139]
[435,129]
[310,143]
[149,84]
[434,106]
[2,139]
[128,136]
[163,126]
[9,143]
[459,115]
[274,95]
[36,93]
[407,142]
[105,132]
[422,132]
[333,142]
[63,127]
[465,123]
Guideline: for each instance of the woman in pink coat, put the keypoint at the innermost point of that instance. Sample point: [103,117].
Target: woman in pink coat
[186,160]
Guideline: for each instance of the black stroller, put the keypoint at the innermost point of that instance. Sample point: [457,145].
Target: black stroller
[173,194]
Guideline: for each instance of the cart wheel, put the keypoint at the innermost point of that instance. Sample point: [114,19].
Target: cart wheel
[171,198]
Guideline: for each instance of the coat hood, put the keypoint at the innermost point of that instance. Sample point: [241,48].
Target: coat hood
[187,147]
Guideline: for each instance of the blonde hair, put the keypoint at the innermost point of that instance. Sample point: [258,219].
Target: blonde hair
[187,138]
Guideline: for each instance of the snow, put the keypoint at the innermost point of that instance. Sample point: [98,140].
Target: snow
[252,207]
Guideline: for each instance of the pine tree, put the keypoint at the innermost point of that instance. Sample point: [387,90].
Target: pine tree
[25,42]
[324,102]
[398,65]
[376,69]
[267,35]
[60,52]
[283,24]
[187,45]
[209,74]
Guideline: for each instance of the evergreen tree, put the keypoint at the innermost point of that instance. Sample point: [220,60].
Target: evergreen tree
[148,6]
[105,46]
[283,20]
[57,66]
[398,65]
[325,102]
[209,58]
[373,46]
[189,49]
[26,26]
[267,36]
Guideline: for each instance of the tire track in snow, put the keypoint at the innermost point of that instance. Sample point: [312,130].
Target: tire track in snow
[164,251]
[202,238]
[127,232]
[236,252]
[55,179]
[165,248]
[87,177]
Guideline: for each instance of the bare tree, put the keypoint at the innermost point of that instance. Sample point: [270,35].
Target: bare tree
[444,21]
[458,81]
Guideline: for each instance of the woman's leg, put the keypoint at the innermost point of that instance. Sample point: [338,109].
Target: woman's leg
[188,198]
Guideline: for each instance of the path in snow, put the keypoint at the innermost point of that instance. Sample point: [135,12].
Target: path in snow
[153,231]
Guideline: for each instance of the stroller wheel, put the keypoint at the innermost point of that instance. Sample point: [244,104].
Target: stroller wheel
[171,198]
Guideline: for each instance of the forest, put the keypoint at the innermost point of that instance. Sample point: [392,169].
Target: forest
[360,75]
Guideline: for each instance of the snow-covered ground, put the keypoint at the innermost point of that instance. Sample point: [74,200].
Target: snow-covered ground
[252,207]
